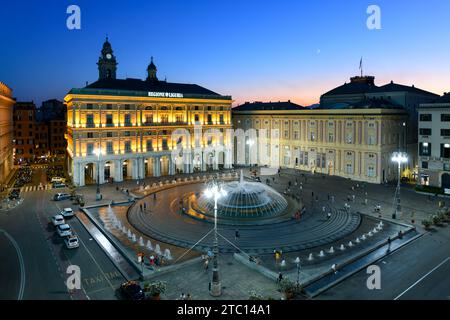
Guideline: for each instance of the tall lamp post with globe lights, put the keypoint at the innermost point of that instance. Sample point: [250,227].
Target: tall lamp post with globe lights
[215,190]
[399,158]
[98,152]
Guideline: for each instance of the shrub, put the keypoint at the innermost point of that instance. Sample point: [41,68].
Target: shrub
[426,223]
[436,220]
[253,295]
[156,288]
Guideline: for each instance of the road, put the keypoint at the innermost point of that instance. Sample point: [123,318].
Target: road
[419,270]
[33,259]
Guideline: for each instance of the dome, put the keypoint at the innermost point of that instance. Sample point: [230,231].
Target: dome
[245,200]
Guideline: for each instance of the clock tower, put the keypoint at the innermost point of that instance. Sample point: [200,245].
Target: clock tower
[107,64]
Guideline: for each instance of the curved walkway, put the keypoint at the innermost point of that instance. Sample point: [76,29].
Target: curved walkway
[163,222]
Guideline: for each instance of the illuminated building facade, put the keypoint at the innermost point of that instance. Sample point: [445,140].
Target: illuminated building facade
[354,141]
[144,127]
[6,131]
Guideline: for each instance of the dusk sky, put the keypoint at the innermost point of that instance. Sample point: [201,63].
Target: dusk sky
[252,50]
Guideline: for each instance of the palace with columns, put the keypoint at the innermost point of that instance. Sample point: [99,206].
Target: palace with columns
[354,142]
[131,128]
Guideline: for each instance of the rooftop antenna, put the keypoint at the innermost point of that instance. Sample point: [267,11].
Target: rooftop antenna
[361,66]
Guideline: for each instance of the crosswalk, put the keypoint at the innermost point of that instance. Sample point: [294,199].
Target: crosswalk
[36,187]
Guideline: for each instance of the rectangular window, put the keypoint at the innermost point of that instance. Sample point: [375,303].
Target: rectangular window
[90,149]
[89,106]
[109,107]
[445,150]
[109,120]
[90,120]
[109,134]
[425,117]
[371,171]
[426,132]
[286,134]
[425,149]
[296,135]
[149,145]
[424,164]
[126,133]
[90,135]
[330,137]
[128,146]
[109,147]
[446,166]
[128,120]
[445,117]
[164,144]
[349,168]
[196,118]
[444,132]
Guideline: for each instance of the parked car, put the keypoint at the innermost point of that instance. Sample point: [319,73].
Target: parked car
[61,196]
[64,230]
[58,180]
[67,212]
[131,290]
[58,220]
[56,185]
[71,242]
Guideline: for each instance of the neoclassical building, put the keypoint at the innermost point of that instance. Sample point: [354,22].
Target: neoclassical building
[352,141]
[6,131]
[144,128]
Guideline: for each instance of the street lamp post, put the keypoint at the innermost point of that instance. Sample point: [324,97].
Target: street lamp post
[216,191]
[297,261]
[98,152]
[399,158]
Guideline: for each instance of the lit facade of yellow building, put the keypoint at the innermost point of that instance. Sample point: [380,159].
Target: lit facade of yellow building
[6,131]
[144,127]
[354,143]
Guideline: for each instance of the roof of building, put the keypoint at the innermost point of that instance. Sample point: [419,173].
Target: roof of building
[281,105]
[25,105]
[372,103]
[150,86]
[366,84]
[395,87]
[443,99]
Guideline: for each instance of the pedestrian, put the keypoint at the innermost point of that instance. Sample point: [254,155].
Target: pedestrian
[353,197]
[206,264]
[145,206]
[389,243]
[280,277]
[154,196]
[236,234]
[182,296]
[188,297]
[312,194]
[323,209]
[140,206]
[328,215]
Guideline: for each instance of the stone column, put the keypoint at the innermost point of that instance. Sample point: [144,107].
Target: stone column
[76,173]
[81,174]
[157,167]
[118,170]
[134,169]
[141,166]
[101,167]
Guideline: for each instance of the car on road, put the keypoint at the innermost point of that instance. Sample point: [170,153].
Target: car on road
[71,242]
[58,220]
[64,230]
[131,290]
[14,194]
[67,212]
[56,185]
[61,196]
[58,180]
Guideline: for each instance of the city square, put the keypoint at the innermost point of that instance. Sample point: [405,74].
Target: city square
[248,176]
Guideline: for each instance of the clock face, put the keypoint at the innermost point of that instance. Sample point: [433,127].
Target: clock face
[108,56]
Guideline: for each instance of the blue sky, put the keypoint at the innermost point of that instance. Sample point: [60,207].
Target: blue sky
[252,50]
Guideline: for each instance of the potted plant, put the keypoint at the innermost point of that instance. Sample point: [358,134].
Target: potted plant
[253,295]
[288,288]
[427,224]
[443,216]
[155,289]
[436,219]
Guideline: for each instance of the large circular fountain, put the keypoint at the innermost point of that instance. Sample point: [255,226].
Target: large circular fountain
[243,200]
